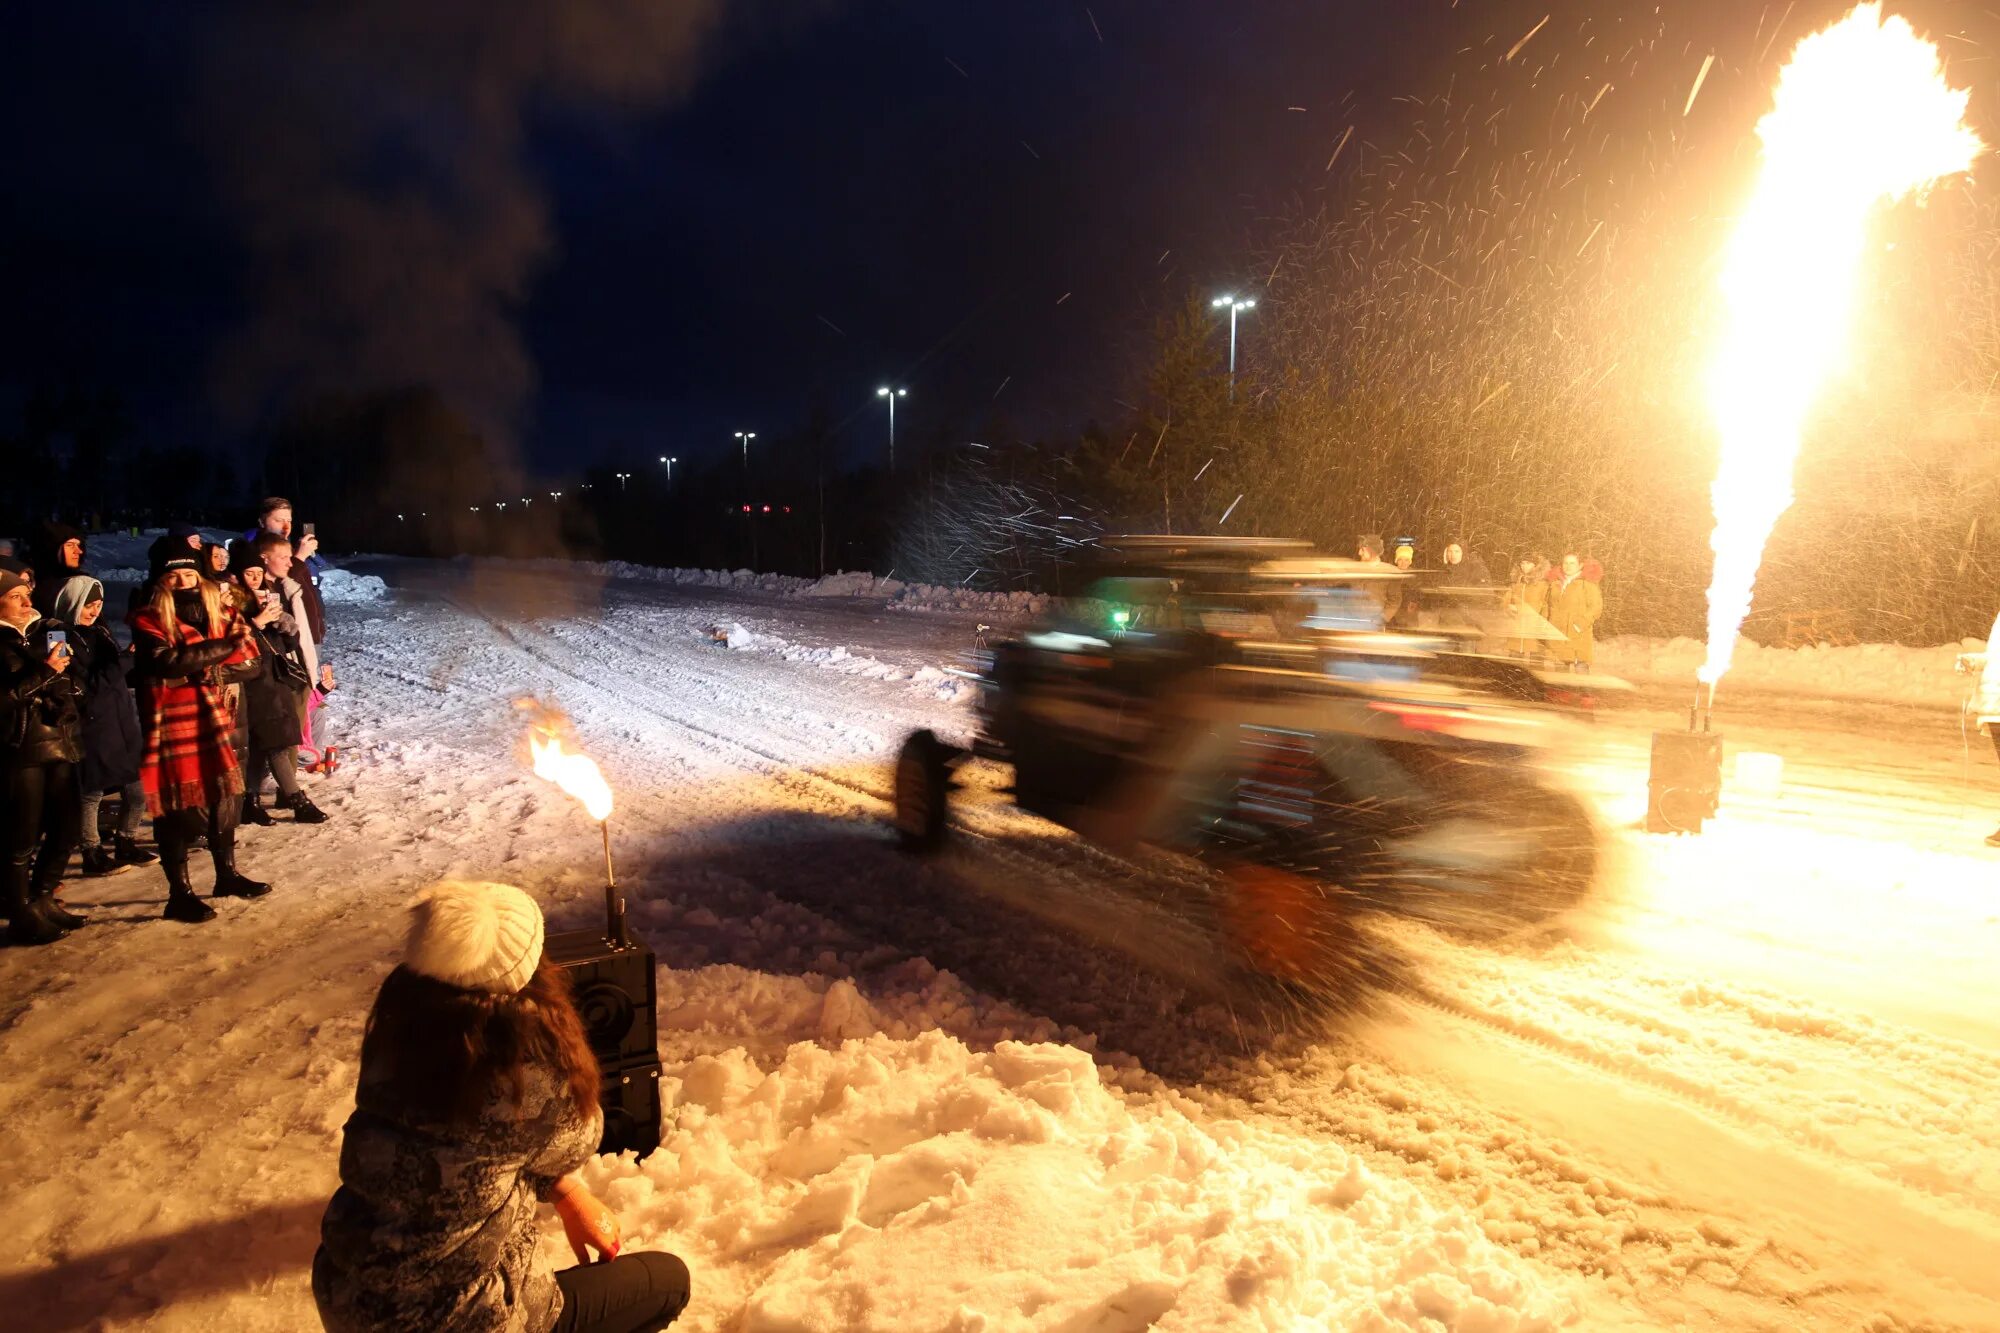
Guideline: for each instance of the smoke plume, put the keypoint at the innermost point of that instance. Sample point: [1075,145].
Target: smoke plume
[372,155]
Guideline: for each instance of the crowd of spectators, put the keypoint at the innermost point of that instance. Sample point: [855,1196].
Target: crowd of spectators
[215,689]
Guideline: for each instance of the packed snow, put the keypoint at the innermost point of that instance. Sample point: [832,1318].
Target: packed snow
[1749,1086]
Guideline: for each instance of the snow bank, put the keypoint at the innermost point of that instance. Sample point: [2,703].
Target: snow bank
[852,583]
[1870,672]
[939,682]
[901,1184]
[120,557]
[338,585]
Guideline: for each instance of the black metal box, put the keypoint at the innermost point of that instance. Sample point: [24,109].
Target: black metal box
[615,992]
[1684,787]
[631,1101]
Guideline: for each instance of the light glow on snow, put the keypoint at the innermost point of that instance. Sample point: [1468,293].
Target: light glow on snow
[1862,116]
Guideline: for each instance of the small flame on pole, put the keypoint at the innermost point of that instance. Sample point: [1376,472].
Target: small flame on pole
[1862,116]
[557,760]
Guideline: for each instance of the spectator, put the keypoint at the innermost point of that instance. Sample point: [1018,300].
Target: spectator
[111,741]
[58,558]
[1462,567]
[274,702]
[40,746]
[275,553]
[477,1098]
[274,515]
[215,561]
[1368,550]
[1528,592]
[1575,603]
[184,636]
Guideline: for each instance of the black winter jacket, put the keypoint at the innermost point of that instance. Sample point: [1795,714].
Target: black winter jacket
[40,722]
[112,744]
[271,706]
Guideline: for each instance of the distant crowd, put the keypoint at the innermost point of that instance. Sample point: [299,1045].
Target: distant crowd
[1557,605]
[216,691]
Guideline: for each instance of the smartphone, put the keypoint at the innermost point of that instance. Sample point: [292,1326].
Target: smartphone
[309,529]
[58,640]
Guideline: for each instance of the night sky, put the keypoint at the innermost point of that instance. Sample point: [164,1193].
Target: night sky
[683,224]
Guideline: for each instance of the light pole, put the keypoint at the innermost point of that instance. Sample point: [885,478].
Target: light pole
[746,436]
[1234,306]
[892,395]
[622,478]
[670,469]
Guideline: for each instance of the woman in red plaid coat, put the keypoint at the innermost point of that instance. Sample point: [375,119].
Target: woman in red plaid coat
[189,643]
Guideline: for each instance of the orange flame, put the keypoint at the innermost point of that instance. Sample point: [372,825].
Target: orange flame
[570,769]
[1862,116]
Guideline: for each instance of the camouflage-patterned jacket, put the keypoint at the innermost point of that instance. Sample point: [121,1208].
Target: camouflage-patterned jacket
[433,1226]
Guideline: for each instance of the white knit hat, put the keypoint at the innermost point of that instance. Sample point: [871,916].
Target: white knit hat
[477,935]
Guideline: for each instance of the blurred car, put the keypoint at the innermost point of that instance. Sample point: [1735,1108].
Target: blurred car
[1239,700]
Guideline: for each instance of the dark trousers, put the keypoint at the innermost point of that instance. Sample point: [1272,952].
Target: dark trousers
[283,766]
[635,1293]
[43,804]
[176,829]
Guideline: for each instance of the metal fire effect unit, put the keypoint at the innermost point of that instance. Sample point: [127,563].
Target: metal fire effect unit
[1684,786]
[613,981]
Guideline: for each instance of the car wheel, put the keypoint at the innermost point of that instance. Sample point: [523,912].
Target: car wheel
[923,785]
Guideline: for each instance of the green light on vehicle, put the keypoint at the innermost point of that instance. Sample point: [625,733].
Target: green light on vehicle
[1121,618]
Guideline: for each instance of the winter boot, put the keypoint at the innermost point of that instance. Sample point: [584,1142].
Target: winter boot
[98,862]
[25,924]
[303,810]
[182,905]
[46,904]
[229,883]
[254,811]
[130,853]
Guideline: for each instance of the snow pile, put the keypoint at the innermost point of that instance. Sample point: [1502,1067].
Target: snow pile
[940,683]
[339,585]
[1874,672]
[900,1184]
[852,583]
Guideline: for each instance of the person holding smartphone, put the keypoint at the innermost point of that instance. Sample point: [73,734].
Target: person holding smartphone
[274,702]
[41,744]
[188,640]
[274,516]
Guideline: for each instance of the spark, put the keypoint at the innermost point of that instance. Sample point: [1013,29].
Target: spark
[1862,116]
[1031,150]
[1093,26]
[1345,135]
[1706,61]
[997,392]
[1516,49]
[830,324]
[1064,297]
[1588,239]
[1227,512]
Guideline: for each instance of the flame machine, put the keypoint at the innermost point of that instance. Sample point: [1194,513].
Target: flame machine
[1684,783]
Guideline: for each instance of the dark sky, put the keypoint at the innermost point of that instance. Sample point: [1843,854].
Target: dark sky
[665,232]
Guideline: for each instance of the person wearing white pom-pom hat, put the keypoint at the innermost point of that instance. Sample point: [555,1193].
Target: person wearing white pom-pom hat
[477,1100]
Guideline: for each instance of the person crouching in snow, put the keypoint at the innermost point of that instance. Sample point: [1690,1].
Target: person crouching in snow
[186,637]
[477,1099]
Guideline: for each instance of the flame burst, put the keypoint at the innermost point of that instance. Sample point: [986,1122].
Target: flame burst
[1862,117]
[572,770]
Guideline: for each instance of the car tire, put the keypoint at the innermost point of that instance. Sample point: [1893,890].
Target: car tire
[923,789]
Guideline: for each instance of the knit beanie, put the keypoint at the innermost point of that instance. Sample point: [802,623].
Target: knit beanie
[1405,550]
[477,935]
[1373,541]
[14,574]
[170,552]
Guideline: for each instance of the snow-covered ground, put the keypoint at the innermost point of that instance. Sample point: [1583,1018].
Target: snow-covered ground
[1751,1086]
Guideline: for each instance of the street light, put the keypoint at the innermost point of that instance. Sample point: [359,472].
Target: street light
[892,395]
[622,476]
[1234,306]
[746,436]
[555,495]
